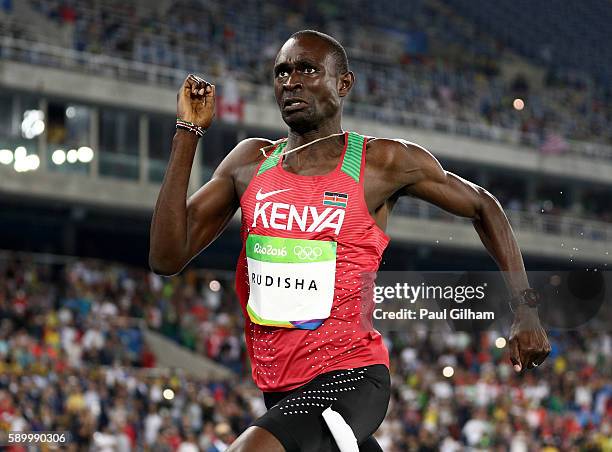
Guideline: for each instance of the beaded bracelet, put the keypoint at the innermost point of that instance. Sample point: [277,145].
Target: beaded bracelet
[190,127]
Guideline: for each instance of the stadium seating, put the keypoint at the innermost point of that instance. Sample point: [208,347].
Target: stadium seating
[566,36]
[429,62]
[564,405]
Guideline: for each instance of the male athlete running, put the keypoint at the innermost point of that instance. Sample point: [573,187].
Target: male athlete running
[312,222]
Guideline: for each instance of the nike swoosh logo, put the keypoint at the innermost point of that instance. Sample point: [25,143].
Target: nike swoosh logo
[259,196]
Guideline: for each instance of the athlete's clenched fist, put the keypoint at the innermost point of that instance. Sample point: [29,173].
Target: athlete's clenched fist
[528,343]
[196,101]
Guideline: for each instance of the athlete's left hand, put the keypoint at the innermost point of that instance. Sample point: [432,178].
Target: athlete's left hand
[528,342]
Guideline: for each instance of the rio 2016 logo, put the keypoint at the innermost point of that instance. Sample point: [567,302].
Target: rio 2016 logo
[269,250]
[307,252]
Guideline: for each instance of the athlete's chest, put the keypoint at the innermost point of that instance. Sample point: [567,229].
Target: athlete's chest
[245,175]
[321,206]
[377,185]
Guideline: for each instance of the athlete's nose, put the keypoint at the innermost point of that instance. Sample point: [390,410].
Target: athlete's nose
[293,82]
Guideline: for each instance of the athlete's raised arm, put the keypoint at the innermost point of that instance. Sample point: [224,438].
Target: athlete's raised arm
[182,227]
[423,177]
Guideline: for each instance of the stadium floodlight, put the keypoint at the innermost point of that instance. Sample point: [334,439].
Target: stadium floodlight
[448,371]
[58,157]
[33,162]
[518,104]
[214,285]
[85,154]
[33,123]
[72,156]
[21,165]
[500,342]
[20,153]
[168,394]
[6,156]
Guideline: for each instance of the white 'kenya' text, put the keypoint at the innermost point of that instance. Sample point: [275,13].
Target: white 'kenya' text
[278,215]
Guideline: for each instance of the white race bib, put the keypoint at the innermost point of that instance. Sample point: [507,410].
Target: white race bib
[291,281]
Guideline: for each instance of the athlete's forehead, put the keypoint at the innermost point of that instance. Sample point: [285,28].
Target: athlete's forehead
[304,49]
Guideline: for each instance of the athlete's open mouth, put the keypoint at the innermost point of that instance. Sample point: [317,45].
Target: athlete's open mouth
[294,103]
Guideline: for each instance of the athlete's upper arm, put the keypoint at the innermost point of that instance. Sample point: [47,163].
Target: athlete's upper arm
[423,177]
[210,209]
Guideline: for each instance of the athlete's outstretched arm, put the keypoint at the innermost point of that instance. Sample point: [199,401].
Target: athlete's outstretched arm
[426,179]
[182,227]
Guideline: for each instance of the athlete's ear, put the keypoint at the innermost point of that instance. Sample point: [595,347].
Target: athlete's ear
[345,83]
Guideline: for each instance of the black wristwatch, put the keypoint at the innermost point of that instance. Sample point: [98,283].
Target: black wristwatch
[529,297]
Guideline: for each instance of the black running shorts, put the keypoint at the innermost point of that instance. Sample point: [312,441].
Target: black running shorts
[359,395]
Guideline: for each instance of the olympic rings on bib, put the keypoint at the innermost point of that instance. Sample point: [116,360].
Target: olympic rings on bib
[307,252]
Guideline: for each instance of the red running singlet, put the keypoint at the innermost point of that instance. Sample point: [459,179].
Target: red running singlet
[307,241]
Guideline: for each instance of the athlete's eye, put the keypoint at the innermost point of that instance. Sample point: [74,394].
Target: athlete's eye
[309,70]
[282,74]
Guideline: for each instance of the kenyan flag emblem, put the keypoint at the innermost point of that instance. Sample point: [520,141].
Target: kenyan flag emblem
[335,199]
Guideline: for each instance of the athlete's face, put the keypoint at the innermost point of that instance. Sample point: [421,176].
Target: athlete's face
[307,87]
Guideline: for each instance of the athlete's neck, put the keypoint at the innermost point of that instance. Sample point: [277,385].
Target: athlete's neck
[296,139]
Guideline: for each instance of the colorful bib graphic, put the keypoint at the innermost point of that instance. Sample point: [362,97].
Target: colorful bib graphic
[291,281]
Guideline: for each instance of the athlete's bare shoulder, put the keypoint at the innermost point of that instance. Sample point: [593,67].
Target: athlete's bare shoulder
[241,162]
[382,152]
[245,153]
[390,149]
[399,162]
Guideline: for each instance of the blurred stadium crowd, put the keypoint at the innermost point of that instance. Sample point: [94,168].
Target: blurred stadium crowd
[72,358]
[418,57]
[72,349]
